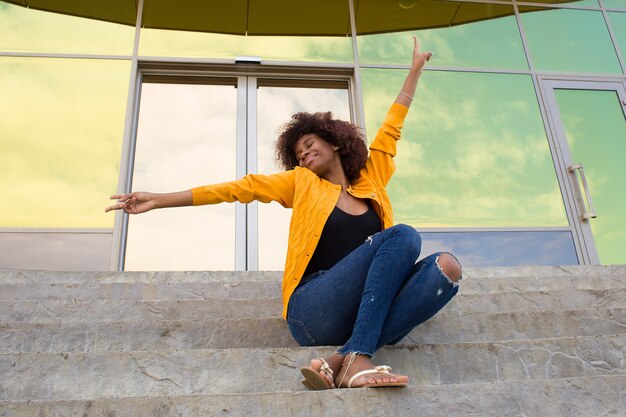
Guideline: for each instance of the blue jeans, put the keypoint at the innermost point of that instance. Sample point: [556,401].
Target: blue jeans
[373,297]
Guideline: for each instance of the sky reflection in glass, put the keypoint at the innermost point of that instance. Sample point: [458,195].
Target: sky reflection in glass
[556,38]
[60,140]
[29,30]
[473,152]
[489,249]
[467,45]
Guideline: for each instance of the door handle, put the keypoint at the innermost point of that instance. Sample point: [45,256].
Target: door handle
[589,213]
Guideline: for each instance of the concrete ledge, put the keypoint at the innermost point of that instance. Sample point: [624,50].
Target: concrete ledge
[517,273]
[83,376]
[266,288]
[446,327]
[570,397]
[100,310]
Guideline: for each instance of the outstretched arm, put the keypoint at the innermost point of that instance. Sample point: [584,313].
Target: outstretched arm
[141,202]
[407,92]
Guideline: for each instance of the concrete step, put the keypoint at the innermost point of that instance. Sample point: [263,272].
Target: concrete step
[564,397]
[446,327]
[98,310]
[84,376]
[482,280]
[94,289]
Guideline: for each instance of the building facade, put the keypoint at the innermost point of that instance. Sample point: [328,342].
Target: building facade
[513,152]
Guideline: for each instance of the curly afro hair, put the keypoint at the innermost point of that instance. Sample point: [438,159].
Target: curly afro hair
[348,137]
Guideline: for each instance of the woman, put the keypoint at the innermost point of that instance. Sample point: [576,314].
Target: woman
[350,276]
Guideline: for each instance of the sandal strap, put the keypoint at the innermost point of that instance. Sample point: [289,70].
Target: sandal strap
[377,370]
[326,367]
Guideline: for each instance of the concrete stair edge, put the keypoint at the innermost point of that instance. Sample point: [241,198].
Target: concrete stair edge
[31,276]
[174,372]
[559,397]
[445,327]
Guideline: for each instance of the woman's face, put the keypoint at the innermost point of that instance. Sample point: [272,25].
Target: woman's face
[316,154]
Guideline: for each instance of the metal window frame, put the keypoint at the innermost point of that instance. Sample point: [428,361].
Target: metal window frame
[246,76]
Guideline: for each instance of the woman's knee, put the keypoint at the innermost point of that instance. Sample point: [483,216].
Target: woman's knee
[450,266]
[410,235]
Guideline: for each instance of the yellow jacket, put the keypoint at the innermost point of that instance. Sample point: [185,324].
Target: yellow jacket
[313,198]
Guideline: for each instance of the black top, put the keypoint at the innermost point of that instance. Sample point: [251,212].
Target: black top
[342,234]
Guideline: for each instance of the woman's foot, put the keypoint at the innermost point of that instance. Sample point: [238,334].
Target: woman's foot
[354,364]
[317,366]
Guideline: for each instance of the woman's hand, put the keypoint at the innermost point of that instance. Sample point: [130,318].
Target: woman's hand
[419,58]
[407,92]
[133,203]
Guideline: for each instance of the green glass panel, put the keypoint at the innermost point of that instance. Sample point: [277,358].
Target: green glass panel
[596,133]
[28,30]
[569,41]
[618,24]
[614,4]
[584,3]
[154,42]
[474,151]
[60,142]
[492,42]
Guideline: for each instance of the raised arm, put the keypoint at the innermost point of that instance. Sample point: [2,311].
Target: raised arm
[141,202]
[405,97]
[380,163]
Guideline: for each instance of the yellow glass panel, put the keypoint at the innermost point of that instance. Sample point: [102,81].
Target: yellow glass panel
[60,142]
[474,151]
[570,41]
[596,133]
[156,42]
[28,30]
[491,42]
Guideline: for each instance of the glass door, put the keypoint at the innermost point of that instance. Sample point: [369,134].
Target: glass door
[202,130]
[277,101]
[590,134]
[186,136]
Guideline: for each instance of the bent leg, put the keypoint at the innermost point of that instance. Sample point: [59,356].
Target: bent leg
[388,272]
[326,310]
[433,284]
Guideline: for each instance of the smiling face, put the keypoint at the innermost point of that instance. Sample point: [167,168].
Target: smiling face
[316,154]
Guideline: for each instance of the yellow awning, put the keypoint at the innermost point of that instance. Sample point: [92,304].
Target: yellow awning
[281,17]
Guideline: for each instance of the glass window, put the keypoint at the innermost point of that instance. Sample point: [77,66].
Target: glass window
[155,42]
[25,29]
[489,249]
[614,4]
[596,133]
[274,108]
[55,250]
[271,29]
[186,137]
[60,142]
[556,38]
[474,151]
[489,38]
[618,24]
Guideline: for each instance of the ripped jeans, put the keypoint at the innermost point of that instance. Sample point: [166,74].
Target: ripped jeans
[373,297]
